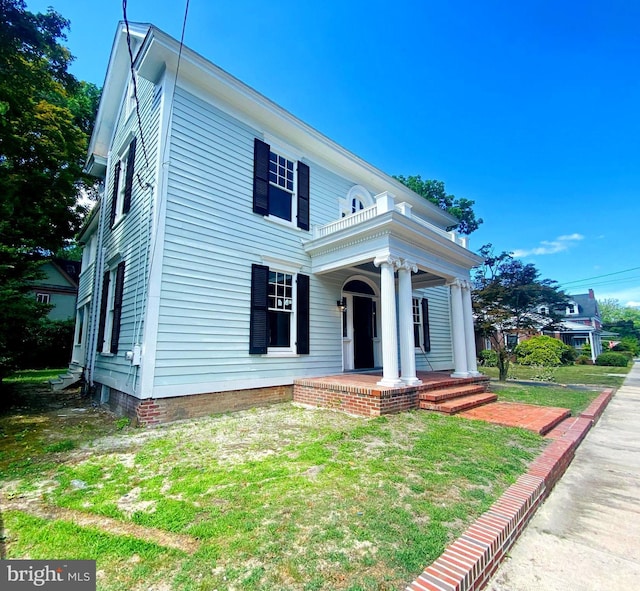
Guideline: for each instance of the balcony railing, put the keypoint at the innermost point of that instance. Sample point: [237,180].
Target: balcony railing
[384,203]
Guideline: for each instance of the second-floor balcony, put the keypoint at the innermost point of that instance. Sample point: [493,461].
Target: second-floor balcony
[388,228]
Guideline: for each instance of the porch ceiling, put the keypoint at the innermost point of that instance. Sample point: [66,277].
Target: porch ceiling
[392,234]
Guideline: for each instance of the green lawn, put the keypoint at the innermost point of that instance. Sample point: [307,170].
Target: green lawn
[569,374]
[576,400]
[273,498]
[33,376]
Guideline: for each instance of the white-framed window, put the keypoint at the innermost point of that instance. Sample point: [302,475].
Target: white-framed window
[123,175]
[281,310]
[281,184]
[544,310]
[356,199]
[281,191]
[111,309]
[572,309]
[417,323]
[130,100]
[279,319]
[43,298]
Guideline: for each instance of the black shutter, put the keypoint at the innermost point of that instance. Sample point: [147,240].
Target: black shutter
[261,177]
[303,196]
[117,308]
[131,157]
[114,197]
[103,311]
[426,334]
[259,321]
[302,312]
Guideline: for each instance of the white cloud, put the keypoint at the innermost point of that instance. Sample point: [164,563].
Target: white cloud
[628,297]
[633,304]
[560,244]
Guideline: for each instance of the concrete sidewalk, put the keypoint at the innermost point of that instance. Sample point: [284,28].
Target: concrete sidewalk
[586,536]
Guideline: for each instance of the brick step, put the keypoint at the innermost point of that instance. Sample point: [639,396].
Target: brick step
[459,404]
[447,383]
[451,392]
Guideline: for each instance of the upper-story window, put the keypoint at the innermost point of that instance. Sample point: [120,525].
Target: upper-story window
[280,186]
[544,310]
[130,102]
[356,199]
[281,176]
[572,309]
[43,298]
[123,172]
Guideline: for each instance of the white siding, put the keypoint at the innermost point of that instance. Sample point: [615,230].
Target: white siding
[212,239]
[129,239]
[441,354]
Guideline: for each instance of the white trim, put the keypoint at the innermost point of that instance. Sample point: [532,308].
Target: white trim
[281,264]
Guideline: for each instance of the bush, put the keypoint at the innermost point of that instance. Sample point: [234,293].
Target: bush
[48,345]
[612,359]
[488,358]
[583,360]
[544,350]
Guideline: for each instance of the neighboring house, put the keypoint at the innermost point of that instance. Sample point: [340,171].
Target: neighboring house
[235,249]
[582,324]
[58,287]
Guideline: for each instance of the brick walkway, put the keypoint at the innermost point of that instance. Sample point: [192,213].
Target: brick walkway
[540,419]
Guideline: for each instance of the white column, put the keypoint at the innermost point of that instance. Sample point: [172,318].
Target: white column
[469,333]
[405,312]
[390,376]
[457,321]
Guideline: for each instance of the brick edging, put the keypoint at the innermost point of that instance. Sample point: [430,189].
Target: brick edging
[468,563]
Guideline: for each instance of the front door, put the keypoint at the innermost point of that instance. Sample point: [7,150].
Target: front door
[362,332]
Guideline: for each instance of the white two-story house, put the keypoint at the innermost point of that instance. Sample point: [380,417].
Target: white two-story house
[236,249]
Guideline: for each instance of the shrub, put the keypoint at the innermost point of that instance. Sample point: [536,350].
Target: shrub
[544,350]
[47,345]
[612,359]
[583,360]
[488,358]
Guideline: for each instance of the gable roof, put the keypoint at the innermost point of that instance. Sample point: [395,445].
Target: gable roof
[587,305]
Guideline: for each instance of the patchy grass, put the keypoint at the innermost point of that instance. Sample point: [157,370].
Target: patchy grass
[33,376]
[275,498]
[594,375]
[576,400]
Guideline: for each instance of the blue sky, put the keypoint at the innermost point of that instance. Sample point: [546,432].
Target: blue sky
[531,109]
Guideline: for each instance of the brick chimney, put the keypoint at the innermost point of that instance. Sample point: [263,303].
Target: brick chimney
[591,296]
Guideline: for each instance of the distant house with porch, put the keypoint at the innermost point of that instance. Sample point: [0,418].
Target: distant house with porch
[235,250]
[581,325]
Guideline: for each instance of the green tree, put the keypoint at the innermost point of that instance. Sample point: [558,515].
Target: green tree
[435,192]
[45,118]
[506,297]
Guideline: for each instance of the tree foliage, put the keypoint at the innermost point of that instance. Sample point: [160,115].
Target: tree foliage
[506,297]
[435,192]
[46,116]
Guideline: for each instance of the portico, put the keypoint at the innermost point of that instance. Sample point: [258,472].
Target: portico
[407,253]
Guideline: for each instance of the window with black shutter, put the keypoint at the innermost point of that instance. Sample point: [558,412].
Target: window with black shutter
[123,175]
[117,308]
[279,319]
[104,301]
[280,185]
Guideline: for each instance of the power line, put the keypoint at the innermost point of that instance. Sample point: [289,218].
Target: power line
[135,91]
[600,276]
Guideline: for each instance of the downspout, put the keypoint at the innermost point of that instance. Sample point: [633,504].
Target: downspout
[96,297]
[592,345]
